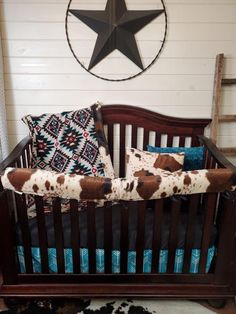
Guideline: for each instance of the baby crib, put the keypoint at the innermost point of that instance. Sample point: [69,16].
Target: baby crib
[110,262]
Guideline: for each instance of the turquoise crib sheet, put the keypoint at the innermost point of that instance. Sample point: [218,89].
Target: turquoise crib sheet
[100,256]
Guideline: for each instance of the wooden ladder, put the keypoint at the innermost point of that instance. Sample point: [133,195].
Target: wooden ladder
[217,117]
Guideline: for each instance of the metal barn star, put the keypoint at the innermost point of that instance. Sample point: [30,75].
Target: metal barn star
[116,27]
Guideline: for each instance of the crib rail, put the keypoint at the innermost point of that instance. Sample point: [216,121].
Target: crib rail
[20,156]
[214,158]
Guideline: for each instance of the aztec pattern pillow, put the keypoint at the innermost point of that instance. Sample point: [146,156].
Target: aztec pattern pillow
[69,142]
[142,163]
[193,158]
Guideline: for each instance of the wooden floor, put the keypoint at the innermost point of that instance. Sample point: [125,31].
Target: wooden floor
[230,307]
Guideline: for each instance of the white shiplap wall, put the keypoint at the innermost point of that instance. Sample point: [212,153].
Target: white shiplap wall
[42,76]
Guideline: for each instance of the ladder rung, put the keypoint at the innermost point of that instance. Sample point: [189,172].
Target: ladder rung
[228,81]
[227,118]
[230,151]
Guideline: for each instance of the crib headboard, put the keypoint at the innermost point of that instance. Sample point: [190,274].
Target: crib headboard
[136,127]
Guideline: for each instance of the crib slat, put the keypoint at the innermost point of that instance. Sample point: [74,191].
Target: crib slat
[158,140]
[181,141]
[24,225]
[18,163]
[169,140]
[190,231]
[208,162]
[24,164]
[122,150]
[195,141]
[206,154]
[175,208]
[213,163]
[140,236]
[110,135]
[145,139]
[108,236]
[208,221]
[156,240]
[42,231]
[59,239]
[26,158]
[28,152]
[91,223]
[75,235]
[124,238]
[134,136]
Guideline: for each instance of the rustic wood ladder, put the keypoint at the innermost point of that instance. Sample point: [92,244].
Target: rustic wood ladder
[217,117]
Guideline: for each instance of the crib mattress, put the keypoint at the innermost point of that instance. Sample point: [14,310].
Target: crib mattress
[132,234]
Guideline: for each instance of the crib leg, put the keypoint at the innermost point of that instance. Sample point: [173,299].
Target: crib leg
[217,303]
[11,303]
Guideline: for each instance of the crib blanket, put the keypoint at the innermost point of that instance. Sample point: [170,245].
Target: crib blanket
[42,182]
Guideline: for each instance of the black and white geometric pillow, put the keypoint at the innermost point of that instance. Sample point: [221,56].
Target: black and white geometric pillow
[70,142]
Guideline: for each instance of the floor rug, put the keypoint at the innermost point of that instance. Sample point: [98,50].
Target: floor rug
[139,306]
[110,306]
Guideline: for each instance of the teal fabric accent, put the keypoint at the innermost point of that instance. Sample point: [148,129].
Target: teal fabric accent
[193,158]
[100,258]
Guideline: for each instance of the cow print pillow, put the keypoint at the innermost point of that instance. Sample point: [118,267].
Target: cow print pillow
[141,163]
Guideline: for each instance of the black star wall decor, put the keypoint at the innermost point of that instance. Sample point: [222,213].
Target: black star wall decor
[115,28]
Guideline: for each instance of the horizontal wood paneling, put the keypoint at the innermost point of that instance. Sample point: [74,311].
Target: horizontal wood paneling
[190,2]
[85,81]
[15,113]
[42,76]
[74,98]
[48,12]
[178,31]
[67,66]
[59,49]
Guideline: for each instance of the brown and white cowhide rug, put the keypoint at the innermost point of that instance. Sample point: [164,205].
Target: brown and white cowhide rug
[111,306]
[136,306]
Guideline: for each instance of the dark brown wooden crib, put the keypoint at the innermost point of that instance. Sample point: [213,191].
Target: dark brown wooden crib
[137,126]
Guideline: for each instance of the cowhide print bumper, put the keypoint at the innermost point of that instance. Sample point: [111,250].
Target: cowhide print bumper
[42,182]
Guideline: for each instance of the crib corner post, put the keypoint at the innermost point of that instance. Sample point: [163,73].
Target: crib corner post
[8,262]
[227,227]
